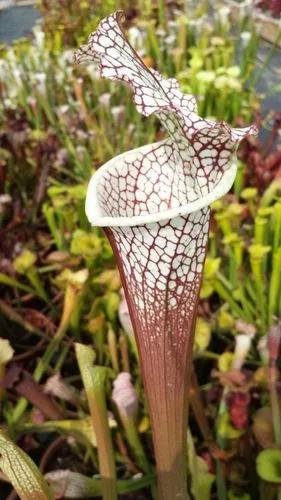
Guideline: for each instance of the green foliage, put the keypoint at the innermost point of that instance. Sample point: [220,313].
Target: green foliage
[269,465]
[202,334]
[248,265]
[85,244]
[59,123]
[22,472]
[24,261]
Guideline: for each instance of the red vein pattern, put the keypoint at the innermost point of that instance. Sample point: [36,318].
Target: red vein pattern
[160,262]
[201,149]
[161,269]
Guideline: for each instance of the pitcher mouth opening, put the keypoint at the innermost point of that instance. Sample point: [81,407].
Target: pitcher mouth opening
[104,210]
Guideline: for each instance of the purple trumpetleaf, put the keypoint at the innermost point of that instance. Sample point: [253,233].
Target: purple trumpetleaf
[154,205]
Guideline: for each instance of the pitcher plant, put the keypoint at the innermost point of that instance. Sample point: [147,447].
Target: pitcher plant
[153,203]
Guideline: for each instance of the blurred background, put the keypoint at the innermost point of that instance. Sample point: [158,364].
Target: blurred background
[58,279]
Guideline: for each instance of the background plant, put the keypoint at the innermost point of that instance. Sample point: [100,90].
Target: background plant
[59,283]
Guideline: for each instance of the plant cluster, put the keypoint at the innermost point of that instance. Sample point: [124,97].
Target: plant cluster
[71,391]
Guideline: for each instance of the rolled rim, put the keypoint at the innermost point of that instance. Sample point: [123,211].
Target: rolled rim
[93,209]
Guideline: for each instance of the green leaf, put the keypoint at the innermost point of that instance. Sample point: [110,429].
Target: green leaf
[201,479]
[7,280]
[225,319]
[225,361]
[269,465]
[80,429]
[25,261]
[94,379]
[86,244]
[86,358]
[210,270]
[202,335]
[205,480]
[22,471]
[111,302]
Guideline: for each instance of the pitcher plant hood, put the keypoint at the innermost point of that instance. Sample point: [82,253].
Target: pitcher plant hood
[177,176]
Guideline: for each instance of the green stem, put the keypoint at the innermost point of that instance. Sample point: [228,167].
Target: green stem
[206,355]
[69,304]
[275,405]
[112,347]
[239,180]
[277,226]
[276,412]
[161,13]
[260,230]
[247,306]
[94,378]
[135,443]
[270,193]
[257,266]
[274,286]
[227,296]
[220,480]
[43,363]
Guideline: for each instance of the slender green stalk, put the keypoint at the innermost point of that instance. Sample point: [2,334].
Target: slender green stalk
[43,363]
[239,180]
[161,13]
[228,297]
[220,480]
[274,286]
[270,193]
[124,352]
[94,378]
[223,220]
[277,226]
[135,443]
[146,8]
[276,410]
[7,280]
[248,307]
[260,230]
[113,350]
[258,259]
[275,406]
